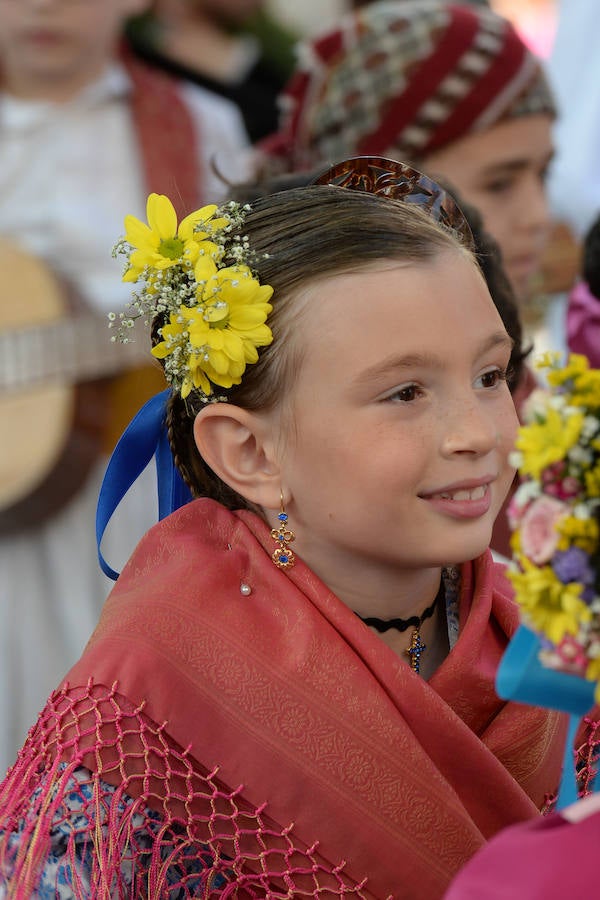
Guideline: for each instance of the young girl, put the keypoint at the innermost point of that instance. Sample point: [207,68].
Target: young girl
[263,715]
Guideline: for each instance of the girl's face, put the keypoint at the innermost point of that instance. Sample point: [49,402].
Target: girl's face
[501,171]
[396,455]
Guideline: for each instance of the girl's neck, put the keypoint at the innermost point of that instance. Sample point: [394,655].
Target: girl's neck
[389,595]
[369,586]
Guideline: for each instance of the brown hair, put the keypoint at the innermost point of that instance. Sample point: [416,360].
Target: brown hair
[296,237]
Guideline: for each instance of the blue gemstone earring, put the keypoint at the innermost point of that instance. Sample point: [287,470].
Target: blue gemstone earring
[282,556]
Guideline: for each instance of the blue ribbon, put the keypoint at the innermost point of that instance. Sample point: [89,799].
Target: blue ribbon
[144,437]
[522,677]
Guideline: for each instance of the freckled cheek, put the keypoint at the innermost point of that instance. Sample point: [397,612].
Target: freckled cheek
[507,426]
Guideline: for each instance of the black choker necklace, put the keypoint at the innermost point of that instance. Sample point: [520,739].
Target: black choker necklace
[415,651]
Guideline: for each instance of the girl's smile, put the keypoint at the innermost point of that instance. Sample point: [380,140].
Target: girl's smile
[469,499]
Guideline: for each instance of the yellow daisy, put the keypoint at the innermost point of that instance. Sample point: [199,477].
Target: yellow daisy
[548,442]
[553,608]
[220,336]
[162,243]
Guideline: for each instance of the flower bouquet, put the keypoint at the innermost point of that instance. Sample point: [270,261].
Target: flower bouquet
[555,515]
[553,660]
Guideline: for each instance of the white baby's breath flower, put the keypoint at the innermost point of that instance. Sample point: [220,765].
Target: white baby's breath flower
[580,455]
[594,649]
[590,427]
[515,459]
[536,404]
[557,401]
[527,490]
[581,511]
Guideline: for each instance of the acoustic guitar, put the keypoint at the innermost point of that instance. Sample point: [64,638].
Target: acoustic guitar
[66,390]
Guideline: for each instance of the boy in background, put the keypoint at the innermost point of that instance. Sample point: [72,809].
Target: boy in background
[86,133]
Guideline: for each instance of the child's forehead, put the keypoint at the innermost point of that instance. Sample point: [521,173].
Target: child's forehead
[400,296]
[445,266]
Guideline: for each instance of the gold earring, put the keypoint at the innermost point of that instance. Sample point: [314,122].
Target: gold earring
[282,556]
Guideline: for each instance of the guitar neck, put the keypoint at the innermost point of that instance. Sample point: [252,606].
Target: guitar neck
[69,349]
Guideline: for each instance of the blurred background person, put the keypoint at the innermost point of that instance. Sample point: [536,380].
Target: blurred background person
[236,48]
[452,88]
[86,133]
[574,176]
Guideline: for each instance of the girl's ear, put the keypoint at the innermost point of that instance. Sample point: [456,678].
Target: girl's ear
[239,447]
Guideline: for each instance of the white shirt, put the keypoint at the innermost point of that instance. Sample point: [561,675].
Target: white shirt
[70,172]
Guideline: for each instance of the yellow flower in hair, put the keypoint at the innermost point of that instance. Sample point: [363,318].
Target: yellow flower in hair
[198,282]
[236,302]
[220,336]
[162,243]
[550,606]
[548,442]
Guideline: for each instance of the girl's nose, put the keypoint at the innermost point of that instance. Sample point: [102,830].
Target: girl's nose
[535,210]
[469,428]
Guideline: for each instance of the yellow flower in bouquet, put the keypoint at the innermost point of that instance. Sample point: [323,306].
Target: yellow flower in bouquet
[546,442]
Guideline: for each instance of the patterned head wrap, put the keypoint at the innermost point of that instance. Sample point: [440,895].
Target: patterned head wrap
[404,79]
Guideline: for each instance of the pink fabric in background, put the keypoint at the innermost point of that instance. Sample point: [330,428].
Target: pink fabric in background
[583,323]
[548,859]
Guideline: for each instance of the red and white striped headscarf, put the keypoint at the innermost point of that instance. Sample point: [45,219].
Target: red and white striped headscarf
[404,79]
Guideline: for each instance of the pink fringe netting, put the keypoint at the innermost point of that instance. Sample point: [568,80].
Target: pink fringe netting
[101,803]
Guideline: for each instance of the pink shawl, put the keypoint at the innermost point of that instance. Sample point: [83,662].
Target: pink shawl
[318,724]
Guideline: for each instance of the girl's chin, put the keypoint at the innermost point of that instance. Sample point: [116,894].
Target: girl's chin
[466,550]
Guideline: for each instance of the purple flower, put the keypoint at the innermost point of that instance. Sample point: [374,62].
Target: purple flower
[573,565]
[588,595]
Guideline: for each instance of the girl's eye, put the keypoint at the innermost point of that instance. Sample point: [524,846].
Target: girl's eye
[492,378]
[405,394]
